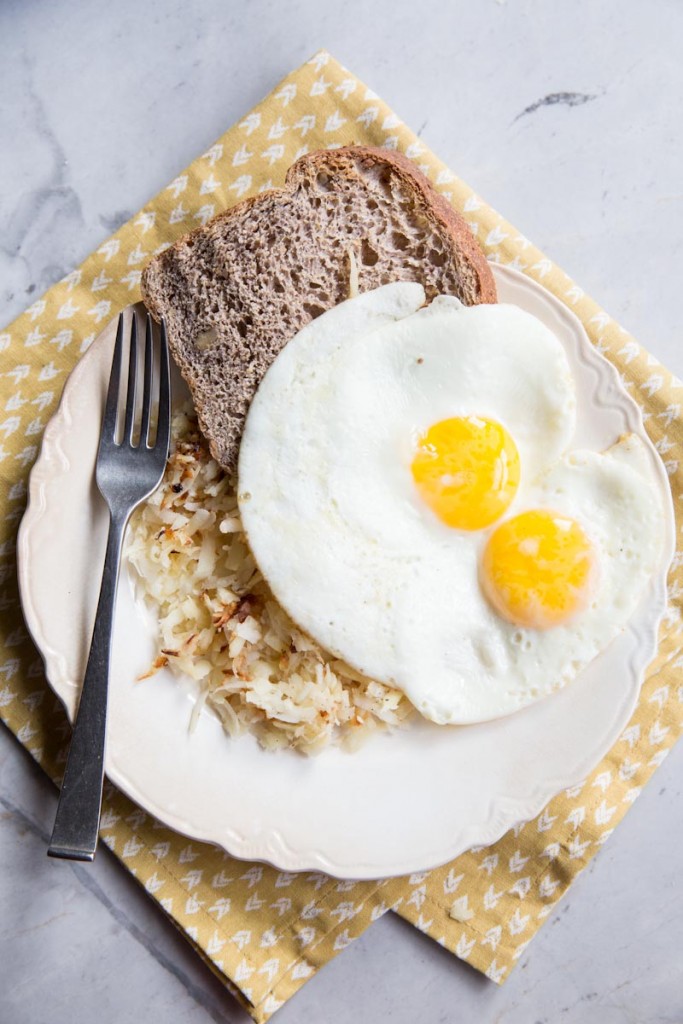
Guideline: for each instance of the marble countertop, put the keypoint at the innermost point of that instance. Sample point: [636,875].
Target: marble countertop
[566,117]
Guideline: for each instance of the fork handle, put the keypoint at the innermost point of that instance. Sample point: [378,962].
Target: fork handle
[74,836]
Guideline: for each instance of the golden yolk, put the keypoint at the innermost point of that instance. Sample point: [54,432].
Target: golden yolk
[467,470]
[537,569]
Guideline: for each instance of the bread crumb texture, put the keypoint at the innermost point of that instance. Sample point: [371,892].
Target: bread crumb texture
[235,291]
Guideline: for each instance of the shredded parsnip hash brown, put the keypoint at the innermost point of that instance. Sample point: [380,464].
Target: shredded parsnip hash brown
[220,625]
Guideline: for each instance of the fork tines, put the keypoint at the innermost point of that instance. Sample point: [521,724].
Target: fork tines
[140,426]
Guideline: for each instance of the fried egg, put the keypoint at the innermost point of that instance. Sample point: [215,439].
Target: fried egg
[406,490]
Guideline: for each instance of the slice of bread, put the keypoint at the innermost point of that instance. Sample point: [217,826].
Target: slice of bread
[235,291]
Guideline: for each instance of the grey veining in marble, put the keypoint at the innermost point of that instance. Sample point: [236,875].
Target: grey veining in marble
[566,117]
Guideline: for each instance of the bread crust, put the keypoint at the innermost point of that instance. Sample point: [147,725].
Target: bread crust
[452,221]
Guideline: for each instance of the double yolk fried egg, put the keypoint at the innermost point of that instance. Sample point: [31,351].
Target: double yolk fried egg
[408,493]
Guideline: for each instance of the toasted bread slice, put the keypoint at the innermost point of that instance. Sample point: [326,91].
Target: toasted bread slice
[235,291]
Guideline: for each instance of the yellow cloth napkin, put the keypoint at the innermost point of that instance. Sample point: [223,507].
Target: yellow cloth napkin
[264,931]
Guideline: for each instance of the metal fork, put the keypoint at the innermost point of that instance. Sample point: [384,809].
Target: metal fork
[127,472]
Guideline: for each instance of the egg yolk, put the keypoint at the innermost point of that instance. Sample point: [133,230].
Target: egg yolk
[537,569]
[467,470]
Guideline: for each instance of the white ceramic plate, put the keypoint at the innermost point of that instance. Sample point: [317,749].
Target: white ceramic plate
[404,802]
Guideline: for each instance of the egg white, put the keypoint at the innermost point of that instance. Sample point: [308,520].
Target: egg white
[355,556]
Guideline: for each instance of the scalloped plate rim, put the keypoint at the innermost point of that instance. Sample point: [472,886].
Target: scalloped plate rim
[504,809]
